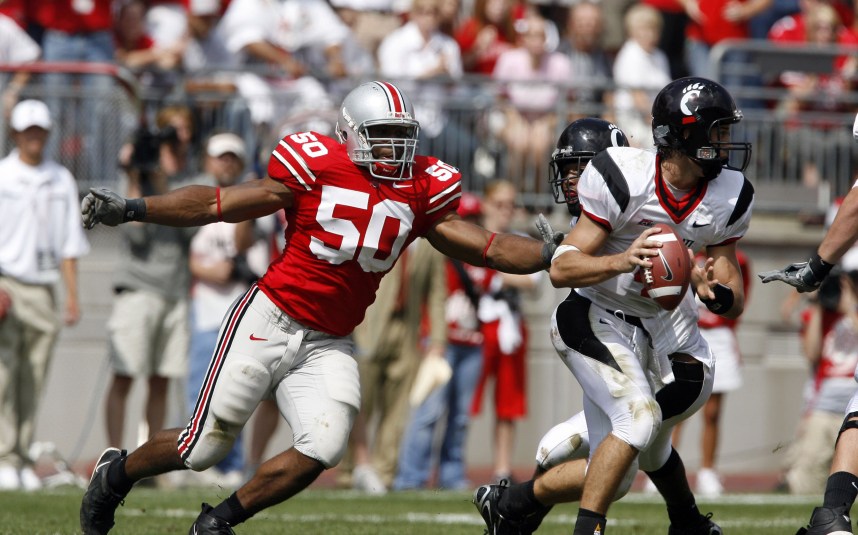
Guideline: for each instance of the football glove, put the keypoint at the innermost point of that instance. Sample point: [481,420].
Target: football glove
[547,232]
[104,206]
[803,276]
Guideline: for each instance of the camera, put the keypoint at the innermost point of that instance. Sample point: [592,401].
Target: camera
[147,146]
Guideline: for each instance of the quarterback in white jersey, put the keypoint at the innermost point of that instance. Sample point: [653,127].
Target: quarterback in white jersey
[608,330]
[690,184]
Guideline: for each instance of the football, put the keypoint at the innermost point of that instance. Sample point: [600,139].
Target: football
[667,281]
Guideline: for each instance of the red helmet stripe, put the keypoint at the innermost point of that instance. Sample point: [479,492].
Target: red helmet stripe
[394,97]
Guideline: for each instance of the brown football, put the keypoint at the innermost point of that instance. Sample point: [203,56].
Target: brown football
[667,281]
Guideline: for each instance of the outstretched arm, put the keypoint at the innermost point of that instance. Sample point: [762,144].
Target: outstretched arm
[188,206]
[807,276]
[475,245]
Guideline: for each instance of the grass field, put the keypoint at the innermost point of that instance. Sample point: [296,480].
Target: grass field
[332,512]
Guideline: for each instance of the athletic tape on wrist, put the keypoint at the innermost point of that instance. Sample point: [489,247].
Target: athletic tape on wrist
[563,249]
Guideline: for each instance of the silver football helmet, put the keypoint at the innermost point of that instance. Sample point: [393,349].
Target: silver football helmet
[377,125]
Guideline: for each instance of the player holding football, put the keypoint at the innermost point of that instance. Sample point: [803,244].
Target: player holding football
[352,207]
[520,508]
[617,342]
[841,489]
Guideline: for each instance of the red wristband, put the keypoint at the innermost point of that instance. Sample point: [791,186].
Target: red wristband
[219,213]
[486,250]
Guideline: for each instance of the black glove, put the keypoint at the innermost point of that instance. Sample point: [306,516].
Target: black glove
[804,276]
[104,206]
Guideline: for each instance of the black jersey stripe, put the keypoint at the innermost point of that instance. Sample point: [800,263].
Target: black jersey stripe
[746,196]
[614,178]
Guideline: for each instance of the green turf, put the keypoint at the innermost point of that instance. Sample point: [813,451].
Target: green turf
[329,512]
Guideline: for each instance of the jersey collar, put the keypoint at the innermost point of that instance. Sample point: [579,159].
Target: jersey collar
[677,209]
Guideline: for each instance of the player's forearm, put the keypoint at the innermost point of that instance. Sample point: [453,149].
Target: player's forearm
[574,269]
[189,206]
[512,253]
[843,232]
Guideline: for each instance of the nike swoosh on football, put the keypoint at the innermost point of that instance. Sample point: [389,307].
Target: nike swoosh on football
[255,339]
[668,275]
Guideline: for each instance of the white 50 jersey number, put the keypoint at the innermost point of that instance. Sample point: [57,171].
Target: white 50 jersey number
[366,248]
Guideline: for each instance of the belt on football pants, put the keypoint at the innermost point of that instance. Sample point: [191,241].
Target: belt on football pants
[632,320]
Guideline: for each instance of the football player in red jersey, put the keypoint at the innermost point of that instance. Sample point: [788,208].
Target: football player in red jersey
[352,206]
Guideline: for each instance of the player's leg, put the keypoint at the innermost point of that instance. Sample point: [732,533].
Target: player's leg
[264,425]
[608,415]
[841,489]
[319,398]
[678,401]
[234,384]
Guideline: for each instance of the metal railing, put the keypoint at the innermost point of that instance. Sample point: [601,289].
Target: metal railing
[800,161]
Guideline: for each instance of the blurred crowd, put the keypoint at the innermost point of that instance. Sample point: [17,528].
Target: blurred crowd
[263,67]
[274,66]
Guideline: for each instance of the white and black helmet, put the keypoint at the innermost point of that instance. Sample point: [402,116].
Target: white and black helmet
[378,104]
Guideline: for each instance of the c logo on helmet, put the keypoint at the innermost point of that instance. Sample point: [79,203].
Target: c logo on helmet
[615,136]
[690,95]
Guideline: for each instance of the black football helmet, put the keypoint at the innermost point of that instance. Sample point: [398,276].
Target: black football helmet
[576,146]
[699,106]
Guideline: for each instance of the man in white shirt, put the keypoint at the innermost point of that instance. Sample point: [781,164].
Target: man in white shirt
[41,237]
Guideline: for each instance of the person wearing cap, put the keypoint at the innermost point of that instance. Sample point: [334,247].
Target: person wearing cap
[41,238]
[219,274]
[148,332]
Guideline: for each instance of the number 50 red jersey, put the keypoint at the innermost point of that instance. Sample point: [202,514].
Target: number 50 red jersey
[346,229]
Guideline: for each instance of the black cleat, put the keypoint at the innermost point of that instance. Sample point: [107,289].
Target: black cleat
[826,521]
[486,499]
[206,524]
[100,501]
[703,526]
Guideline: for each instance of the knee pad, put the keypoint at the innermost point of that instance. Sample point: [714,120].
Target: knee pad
[683,396]
[638,423]
[848,423]
[327,440]
[240,386]
[214,443]
[565,441]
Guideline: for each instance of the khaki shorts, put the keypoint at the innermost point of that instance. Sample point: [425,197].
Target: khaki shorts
[148,335]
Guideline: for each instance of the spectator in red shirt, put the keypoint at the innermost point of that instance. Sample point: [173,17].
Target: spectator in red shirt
[80,32]
[485,35]
[713,21]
